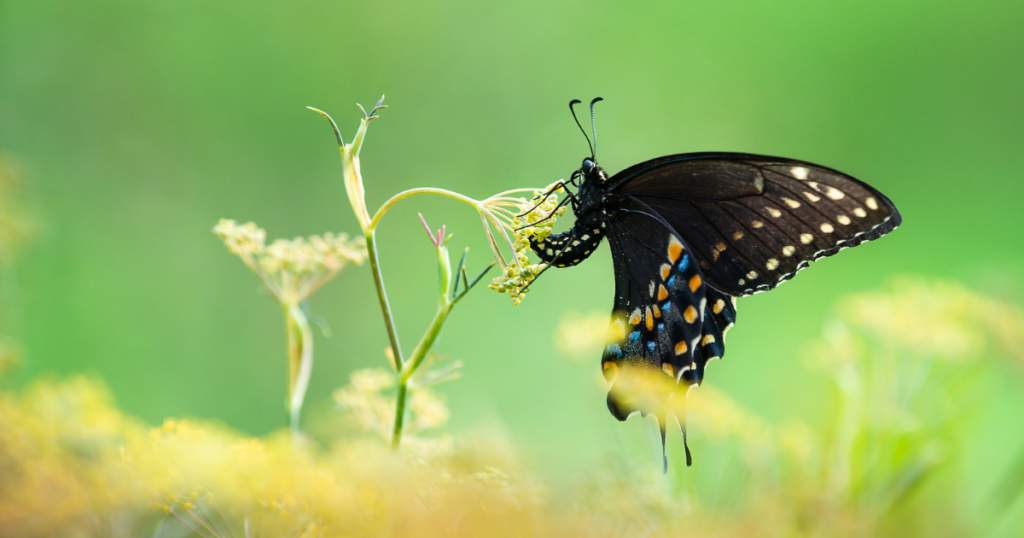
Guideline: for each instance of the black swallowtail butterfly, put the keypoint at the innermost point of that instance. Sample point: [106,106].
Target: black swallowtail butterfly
[689,233]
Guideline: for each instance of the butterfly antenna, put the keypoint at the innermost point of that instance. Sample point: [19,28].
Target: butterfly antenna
[594,125]
[582,130]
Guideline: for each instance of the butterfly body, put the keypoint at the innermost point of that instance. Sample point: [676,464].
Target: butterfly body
[688,234]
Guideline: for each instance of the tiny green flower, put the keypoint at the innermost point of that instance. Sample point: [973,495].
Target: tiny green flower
[534,219]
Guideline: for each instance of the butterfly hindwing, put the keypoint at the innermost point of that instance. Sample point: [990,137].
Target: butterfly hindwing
[719,317]
[755,221]
[658,315]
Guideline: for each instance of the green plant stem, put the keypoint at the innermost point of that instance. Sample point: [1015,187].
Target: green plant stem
[300,361]
[382,297]
[408,369]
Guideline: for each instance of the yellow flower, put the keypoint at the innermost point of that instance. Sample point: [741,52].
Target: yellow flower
[291,269]
[580,336]
[939,318]
[372,410]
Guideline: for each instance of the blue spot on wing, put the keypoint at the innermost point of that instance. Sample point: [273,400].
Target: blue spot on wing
[614,350]
[661,326]
[650,345]
[685,262]
[667,307]
[671,280]
[634,336]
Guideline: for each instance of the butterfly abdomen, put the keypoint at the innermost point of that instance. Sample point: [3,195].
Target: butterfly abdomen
[572,247]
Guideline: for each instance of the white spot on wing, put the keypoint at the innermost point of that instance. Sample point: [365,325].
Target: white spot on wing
[806,238]
[871,203]
[834,193]
[827,228]
[799,172]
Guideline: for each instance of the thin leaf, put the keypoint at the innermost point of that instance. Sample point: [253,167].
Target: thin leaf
[430,233]
[337,133]
[461,268]
[481,275]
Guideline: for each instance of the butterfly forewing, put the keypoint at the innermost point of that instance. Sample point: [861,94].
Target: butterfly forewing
[658,315]
[755,221]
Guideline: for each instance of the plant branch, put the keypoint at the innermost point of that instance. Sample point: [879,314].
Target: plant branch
[382,297]
[418,354]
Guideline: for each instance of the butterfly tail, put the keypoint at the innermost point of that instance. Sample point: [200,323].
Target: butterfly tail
[686,446]
[664,455]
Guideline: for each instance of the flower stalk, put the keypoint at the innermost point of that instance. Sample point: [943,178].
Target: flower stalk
[502,217]
[300,361]
[292,270]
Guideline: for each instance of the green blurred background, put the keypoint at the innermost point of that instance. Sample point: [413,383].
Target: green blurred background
[139,125]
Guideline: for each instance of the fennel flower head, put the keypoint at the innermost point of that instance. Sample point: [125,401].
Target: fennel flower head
[291,269]
[535,220]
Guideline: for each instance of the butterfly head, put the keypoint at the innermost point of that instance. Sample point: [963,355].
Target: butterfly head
[589,170]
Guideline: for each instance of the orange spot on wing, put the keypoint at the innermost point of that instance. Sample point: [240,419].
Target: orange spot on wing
[657,311]
[694,283]
[717,250]
[611,371]
[662,292]
[690,314]
[675,248]
[650,319]
[680,348]
[666,269]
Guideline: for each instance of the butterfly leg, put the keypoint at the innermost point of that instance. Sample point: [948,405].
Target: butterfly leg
[570,198]
[558,185]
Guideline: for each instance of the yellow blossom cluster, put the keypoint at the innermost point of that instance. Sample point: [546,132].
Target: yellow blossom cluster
[291,269]
[580,336]
[372,409]
[938,317]
[535,220]
[72,464]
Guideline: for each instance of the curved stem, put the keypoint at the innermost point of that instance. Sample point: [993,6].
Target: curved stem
[382,297]
[412,192]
